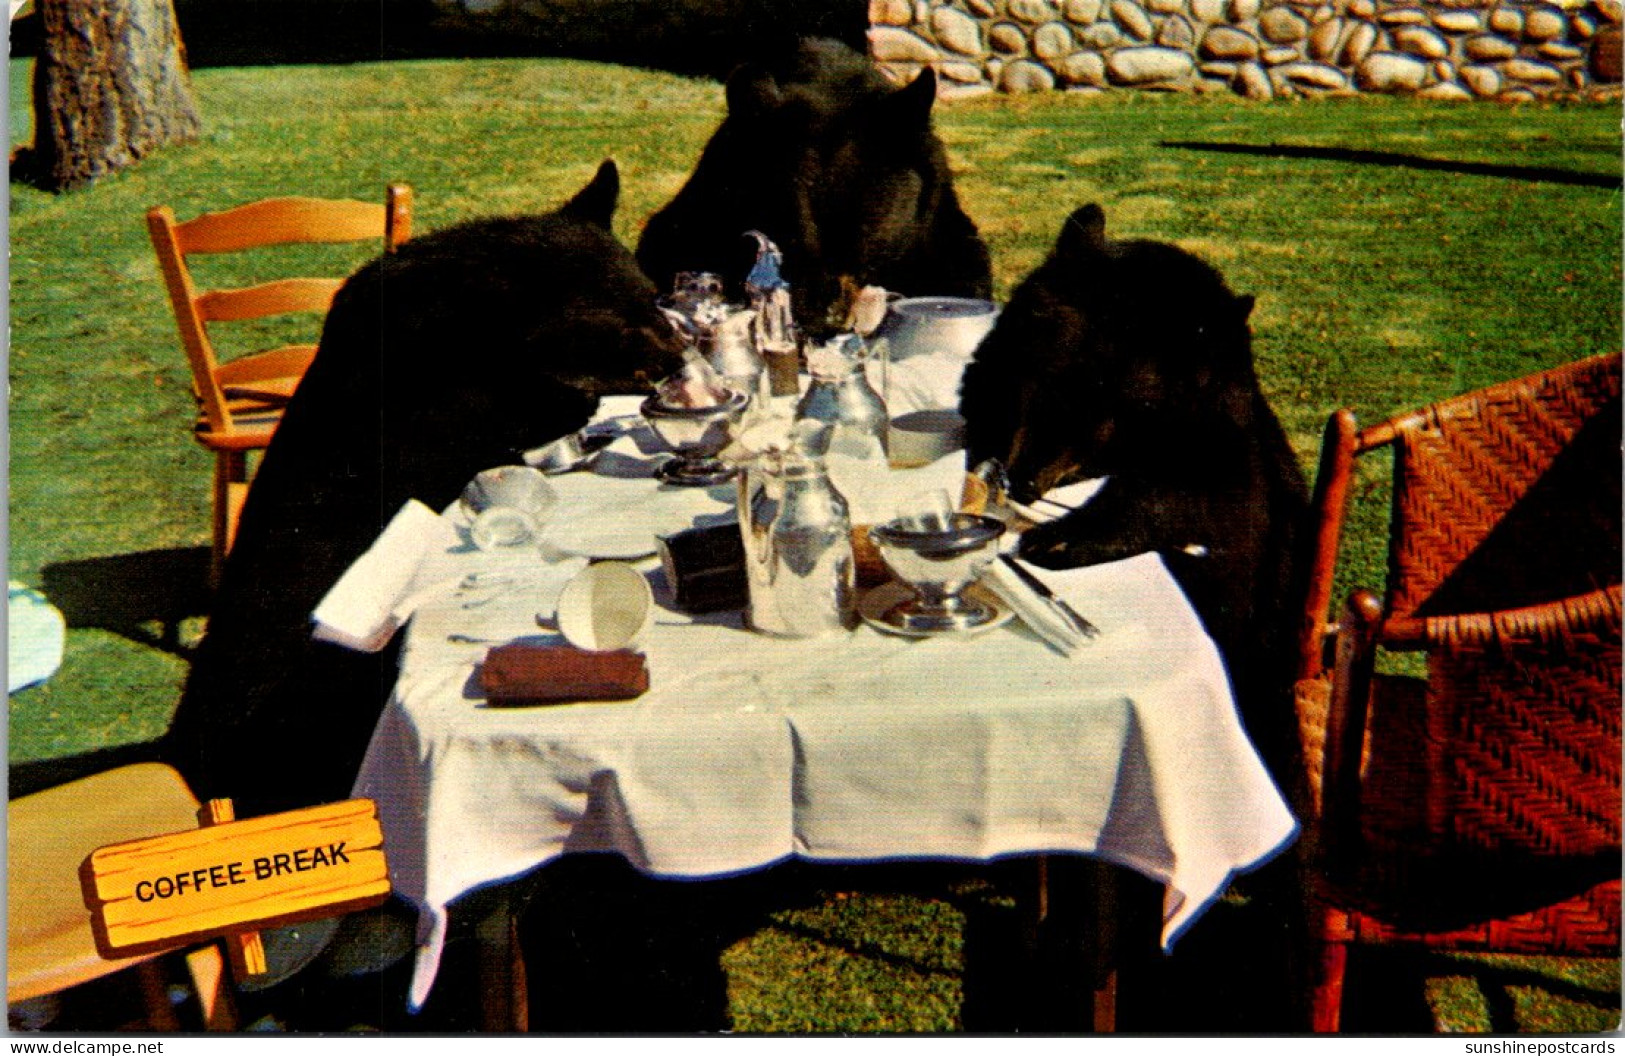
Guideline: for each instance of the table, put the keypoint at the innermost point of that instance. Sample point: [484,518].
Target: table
[748,750]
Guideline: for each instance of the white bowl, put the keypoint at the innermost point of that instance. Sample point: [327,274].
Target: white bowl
[919,438]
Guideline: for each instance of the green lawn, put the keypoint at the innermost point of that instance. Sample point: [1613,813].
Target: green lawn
[1400,252]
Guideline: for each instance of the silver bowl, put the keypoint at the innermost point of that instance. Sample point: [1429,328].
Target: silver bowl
[695,435]
[938,564]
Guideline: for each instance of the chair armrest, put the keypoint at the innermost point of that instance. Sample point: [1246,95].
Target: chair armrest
[1549,623]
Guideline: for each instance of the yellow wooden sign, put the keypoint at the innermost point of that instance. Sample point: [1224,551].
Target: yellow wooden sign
[163,891]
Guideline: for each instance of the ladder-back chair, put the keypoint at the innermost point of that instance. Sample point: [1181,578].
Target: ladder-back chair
[240,400]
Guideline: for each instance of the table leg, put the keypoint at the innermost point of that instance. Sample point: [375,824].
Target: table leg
[504,993]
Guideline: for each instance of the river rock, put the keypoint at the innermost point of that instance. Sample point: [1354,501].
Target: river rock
[1323,40]
[1605,55]
[890,12]
[960,72]
[1556,49]
[1228,43]
[1420,40]
[1532,72]
[1132,17]
[1612,10]
[1085,67]
[1443,71]
[891,44]
[1252,82]
[1052,40]
[1445,91]
[1081,12]
[1484,81]
[1034,12]
[1244,10]
[1175,32]
[957,31]
[1544,23]
[1489,49]
[1314,75]
[1148,65]
[1166,7]
[1387,72]
[1276,56]
[1008,39]
[1458,21]
[1102,36]
[1583,26]
[1207,10]
[982,8]
[1282,25]
[1022,77]
[1508,20]
[1357,45]
[1403,16]
[1362,8]
[1224,71]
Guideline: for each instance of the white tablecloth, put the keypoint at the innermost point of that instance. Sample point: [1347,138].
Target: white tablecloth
[748,749]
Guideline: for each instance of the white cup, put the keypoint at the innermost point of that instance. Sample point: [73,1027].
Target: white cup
[607,606]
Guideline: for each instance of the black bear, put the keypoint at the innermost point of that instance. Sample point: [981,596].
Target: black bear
[462,349]
[1132,360]
[841,170]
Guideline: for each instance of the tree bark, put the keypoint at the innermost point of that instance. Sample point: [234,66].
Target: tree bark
[110,87]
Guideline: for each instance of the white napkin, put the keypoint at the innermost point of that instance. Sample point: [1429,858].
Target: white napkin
[376,594]
[1032,608]
[876,493]
[1058,502]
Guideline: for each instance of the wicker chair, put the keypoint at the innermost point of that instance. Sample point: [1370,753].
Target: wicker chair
[1477,808]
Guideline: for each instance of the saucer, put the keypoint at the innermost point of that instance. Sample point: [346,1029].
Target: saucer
[876,607]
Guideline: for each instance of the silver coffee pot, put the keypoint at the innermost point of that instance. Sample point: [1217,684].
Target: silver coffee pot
[724,333]
[798,547]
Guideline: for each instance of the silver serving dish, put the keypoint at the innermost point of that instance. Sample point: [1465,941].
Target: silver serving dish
[695,435]
[938,564]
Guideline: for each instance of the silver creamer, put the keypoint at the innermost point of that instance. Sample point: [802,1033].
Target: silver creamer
[798,547]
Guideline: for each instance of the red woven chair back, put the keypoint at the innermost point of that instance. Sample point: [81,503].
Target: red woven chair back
[1462,465]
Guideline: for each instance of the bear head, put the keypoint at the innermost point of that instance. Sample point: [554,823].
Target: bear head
[1110,357]
[839,167]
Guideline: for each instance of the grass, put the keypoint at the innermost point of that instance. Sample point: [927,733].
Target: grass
[1447,247]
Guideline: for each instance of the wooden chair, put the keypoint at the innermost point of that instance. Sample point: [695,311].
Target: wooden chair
[241,400]
[1478,807]
[49,944]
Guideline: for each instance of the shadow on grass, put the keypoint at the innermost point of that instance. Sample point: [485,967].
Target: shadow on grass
[39,774]
[1386,992]
[143,596]
[1530,173]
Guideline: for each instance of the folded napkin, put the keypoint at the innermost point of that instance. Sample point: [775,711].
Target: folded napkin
[377,594]
[1039,613]
[35,632]
[1058,502]
[523,673]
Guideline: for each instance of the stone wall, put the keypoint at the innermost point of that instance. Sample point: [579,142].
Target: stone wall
[1262,49]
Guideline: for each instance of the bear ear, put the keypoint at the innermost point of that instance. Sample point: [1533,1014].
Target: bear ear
[912,103]
[752,90]
[1084,233]
[595,203]
[1244,307]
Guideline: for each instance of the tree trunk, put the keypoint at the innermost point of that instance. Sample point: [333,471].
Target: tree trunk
[110,87]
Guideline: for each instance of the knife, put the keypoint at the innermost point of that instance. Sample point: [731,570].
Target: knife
[1073,618]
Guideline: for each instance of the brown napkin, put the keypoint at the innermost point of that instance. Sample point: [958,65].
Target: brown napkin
[521,673]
